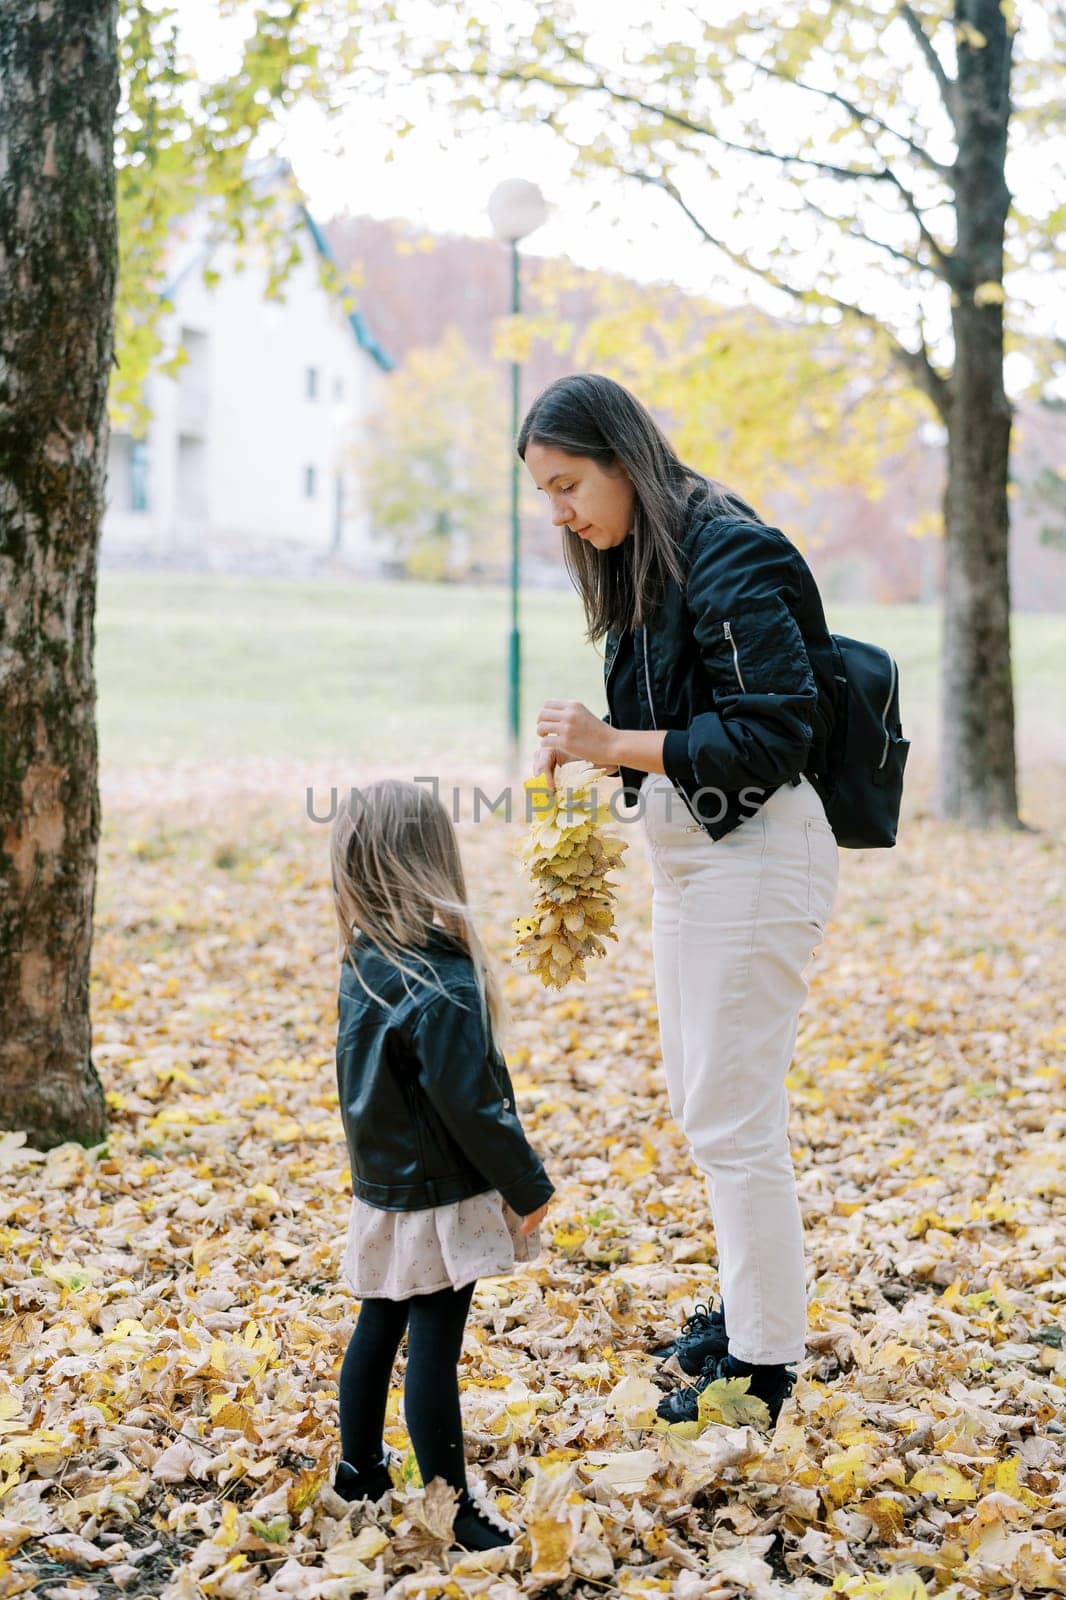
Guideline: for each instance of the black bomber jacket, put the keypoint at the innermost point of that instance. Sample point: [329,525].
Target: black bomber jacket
[427,1103]
[737,664]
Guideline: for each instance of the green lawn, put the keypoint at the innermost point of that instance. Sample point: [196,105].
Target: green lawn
[202,668]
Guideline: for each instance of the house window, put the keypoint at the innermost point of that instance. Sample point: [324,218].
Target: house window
[310,483]
[312,383]
[338,388]
[338,511]
[138,461]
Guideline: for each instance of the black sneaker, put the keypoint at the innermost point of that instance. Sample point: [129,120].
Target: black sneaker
[373,1484]
[477,1529]
[771,1384]
[703,1336]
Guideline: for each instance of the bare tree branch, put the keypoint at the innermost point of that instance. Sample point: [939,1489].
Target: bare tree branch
[856,232]
[916,362]
[857,114]
[940,255]
[878,175]
[861,118]
[946,260]
[676,118]
[945,84]
[946,263]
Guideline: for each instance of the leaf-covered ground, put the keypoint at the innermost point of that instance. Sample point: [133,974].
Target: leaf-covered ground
[174,1322]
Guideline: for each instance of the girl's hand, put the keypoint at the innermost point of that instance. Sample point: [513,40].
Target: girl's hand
[570,728]
[534,1219]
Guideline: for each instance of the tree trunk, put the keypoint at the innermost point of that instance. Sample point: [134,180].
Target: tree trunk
[58,258]
[977,769]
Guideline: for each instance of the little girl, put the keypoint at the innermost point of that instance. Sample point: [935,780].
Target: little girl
[445,1187]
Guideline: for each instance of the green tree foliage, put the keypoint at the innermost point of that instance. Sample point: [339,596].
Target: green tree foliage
[761,403]
[432,460]
[181,144]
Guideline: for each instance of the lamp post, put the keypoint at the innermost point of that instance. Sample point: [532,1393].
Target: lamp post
[516,208]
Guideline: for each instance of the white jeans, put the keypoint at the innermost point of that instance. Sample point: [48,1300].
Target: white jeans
[735,922]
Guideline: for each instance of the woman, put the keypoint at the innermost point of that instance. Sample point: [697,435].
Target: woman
[721,694]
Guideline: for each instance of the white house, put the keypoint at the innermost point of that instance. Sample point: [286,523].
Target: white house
[244,464]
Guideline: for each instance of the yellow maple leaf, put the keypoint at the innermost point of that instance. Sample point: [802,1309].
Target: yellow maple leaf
[434,1509]
[369,1543]
[868,1586]
[569,1239]
[943,1482]
[631,1164]
[847,1472]
[727,1400]
[231,1414]
[1001,1477]
[302,1490]
[552,1544]
[885,1513]
[227,1532]
[541,797]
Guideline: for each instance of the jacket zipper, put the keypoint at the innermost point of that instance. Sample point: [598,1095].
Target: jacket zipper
[651,708]
[610,670]
[727,630]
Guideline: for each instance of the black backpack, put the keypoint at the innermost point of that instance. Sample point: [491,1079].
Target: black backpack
[861,784]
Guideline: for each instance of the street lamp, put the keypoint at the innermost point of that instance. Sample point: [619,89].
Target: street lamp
[516,208]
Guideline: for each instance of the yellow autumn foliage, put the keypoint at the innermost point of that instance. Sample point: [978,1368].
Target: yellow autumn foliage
[176,1322]
[568,854]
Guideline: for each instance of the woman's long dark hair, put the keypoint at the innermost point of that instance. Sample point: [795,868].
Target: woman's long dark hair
[587,414]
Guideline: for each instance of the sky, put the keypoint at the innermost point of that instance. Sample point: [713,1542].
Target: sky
[442,183]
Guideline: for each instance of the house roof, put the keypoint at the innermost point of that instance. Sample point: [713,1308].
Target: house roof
[364,337]
[264,173]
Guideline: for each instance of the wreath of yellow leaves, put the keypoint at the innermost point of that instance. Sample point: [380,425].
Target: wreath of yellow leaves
[568,854]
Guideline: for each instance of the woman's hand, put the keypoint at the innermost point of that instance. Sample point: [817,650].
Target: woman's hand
[571,732]
[547,758]
[534,1219]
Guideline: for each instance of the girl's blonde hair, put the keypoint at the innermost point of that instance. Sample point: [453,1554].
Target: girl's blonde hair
[396,873]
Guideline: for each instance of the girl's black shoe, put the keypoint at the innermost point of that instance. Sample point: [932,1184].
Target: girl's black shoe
[771,1384]
[476,1529]
[372,1484]
[702,1336]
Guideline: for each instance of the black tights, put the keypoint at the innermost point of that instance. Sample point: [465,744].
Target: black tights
[434,1324]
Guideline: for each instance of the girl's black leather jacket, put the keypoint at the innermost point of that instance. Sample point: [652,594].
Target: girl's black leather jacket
[738,665]
[428,1107]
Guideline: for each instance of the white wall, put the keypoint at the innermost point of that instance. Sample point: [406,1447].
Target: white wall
[233,435]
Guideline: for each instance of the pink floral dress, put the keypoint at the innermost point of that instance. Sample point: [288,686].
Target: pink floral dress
[392,1255]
